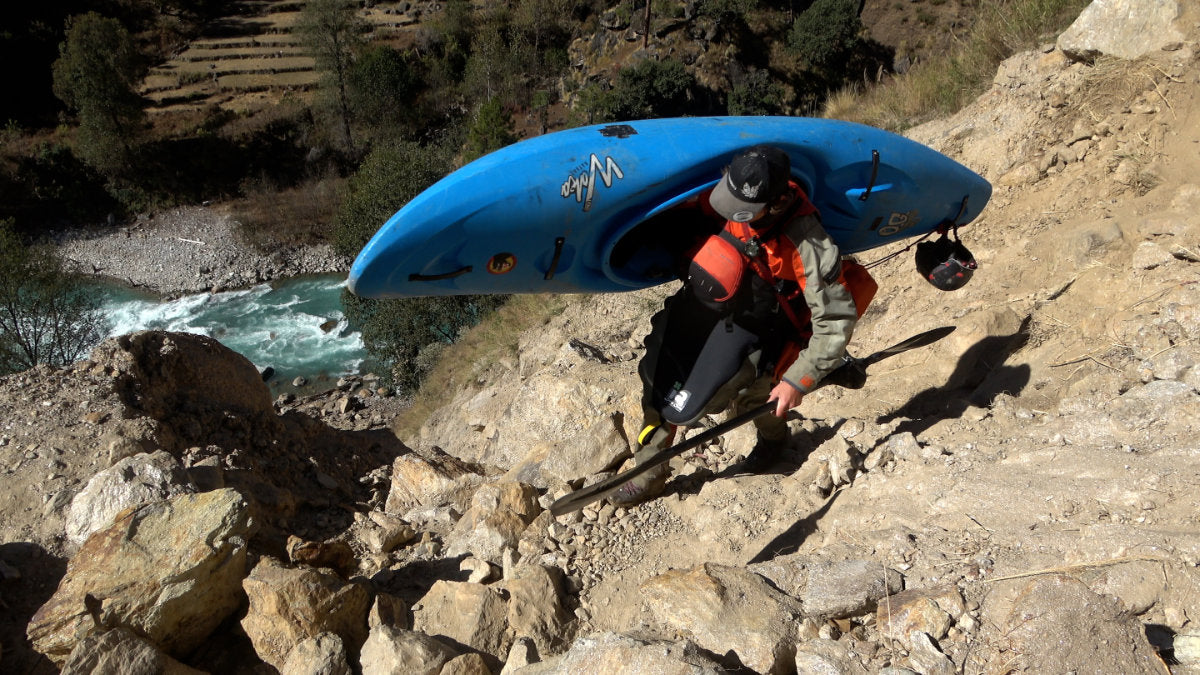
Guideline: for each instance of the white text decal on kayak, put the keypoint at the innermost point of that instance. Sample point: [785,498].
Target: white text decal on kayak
[583,184]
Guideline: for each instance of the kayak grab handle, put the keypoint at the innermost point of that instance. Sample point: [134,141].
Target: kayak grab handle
[438,277]
[874,174]
[558,247]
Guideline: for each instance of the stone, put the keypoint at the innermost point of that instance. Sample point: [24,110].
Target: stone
[727,609]
[166,375]
[388,610]
[391,533]
[1127,29]
[121,651]
[466,664]
[133,481]
[847,588]
[925,656]
[469,614]
[323,654]
[598,448]
[480,571]
[435,481]
[1057,625]
[612,653]
[909,612]
[170,571]
[394,651]
[290,605]
[826,657]
[535,606]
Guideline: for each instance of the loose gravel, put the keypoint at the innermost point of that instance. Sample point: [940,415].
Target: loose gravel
[187,250]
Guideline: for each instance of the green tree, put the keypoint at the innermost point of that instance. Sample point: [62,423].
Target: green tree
[648,89]
[383,86]
[95,75]
[491,130]
[391,175]
[46,316]
[399,332]
[757,94]
[334,32]
[826,32]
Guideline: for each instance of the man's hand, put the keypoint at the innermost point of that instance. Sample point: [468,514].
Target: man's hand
[786,397]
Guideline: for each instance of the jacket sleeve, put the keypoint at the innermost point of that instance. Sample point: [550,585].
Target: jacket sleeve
[833,311]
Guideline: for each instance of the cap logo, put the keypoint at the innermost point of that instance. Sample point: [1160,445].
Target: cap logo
[750,191]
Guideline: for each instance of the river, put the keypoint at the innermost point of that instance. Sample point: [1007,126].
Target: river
[295,326]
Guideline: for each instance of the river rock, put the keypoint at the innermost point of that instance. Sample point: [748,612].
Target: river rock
[170,571]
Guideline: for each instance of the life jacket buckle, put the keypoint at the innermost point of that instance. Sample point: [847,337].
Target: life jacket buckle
[753,247]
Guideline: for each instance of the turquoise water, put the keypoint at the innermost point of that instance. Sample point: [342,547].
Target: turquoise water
[295,326]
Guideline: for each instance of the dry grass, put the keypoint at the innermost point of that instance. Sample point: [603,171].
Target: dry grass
[301,215]
[462,363]
[934,89]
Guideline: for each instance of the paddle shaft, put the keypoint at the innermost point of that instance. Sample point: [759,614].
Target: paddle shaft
[581,498]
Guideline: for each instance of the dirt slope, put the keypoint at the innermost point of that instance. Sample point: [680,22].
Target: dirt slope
[1054,431]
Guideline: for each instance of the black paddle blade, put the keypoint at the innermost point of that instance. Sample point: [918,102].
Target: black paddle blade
[920,340]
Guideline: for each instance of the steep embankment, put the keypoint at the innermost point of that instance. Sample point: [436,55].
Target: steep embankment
[1020,496]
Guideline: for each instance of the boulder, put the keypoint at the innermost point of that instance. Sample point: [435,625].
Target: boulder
[613,653]
[1057,625]
[169,374]
[170,571]
[323,654]
[288,606]
[467,614]
[832,589]
[498,516]
[133,481]
[1126,29]
[120,651]
[394,651]
[535,606]
[435,479]
[728,609]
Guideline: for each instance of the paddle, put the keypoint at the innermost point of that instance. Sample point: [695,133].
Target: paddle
[851,374]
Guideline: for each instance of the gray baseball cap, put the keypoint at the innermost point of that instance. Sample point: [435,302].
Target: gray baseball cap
[755,177]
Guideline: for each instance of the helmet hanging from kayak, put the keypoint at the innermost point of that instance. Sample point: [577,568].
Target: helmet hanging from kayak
[946,263]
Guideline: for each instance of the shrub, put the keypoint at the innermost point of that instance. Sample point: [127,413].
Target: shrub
[391,175]
[403,334]
[646,90]
[825,31]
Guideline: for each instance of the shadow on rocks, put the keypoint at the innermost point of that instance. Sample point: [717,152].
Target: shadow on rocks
[40,572]
[413,581]
[790,540]
[978,378]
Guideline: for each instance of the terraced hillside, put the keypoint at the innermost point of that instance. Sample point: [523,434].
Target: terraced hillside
[254,58]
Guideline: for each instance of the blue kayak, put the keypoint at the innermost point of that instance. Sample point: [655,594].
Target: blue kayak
[609,207]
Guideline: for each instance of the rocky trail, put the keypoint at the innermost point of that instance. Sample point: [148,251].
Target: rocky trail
[1020,496]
